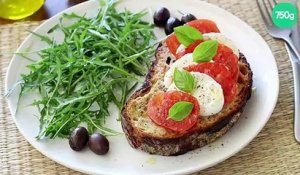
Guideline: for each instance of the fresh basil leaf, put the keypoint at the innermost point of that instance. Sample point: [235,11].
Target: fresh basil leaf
[205,51]
[186,35]
[180,110]
[184,80]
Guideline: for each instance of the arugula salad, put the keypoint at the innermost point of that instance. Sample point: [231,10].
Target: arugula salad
[98,63]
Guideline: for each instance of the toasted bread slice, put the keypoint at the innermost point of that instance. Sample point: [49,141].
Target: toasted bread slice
[142,133]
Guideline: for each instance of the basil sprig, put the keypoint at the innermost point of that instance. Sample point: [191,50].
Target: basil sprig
[186,35]
[205,51]
[184,80]
[180,110]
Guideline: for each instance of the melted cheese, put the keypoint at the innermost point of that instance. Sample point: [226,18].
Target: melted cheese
[184,61]
[223,40]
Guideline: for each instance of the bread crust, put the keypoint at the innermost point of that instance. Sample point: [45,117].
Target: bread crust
[206,131]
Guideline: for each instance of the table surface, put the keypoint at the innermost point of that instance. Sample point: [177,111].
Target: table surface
[273,151]
[50,8]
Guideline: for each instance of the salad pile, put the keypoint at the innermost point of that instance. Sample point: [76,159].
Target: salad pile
[97,63]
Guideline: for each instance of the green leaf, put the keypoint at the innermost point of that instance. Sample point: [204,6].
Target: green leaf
[180,110]
[187,35]
[96,64]
[184,80]
[42,37]
[205,51]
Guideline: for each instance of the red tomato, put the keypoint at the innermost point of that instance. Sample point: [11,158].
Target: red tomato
[204,25]
[192,46]
[189,49]
[219,73]
[172,43]
[226,56]
[180,54]
[154,108]
[159,105]
[173,97]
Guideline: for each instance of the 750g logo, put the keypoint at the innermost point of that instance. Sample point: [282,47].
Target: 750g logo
[285,15]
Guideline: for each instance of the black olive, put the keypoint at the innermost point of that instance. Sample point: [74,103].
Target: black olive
[161,16]
[187,18]
[79,139]
[171,24]
[98,144]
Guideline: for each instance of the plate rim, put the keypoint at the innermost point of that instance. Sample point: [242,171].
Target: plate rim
[180,171]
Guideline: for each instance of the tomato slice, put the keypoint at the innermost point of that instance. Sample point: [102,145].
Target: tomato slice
[154,108]
[172,43]
[189,49]
[226,56]
[159,105]
[221,74]
[192,46]
[204,25]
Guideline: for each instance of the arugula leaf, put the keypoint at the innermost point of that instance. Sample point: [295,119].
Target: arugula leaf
[184,80]
[96,64]
[205,51]
[180,110]
[187,35]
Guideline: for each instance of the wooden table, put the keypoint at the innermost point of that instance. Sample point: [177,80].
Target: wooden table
[50,8]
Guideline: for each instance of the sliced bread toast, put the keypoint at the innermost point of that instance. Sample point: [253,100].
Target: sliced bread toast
[142,133]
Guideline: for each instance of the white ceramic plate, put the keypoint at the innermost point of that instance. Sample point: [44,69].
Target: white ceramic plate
[122,159]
